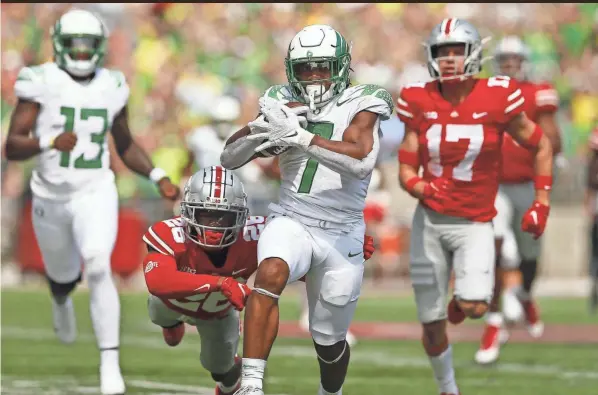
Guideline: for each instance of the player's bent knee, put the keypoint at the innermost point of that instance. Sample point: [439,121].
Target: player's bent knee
[327,339]
[62,289]
[218,377]
[272,275]
[218,363]
[434,334]
[333,353]
[473,309]
[97,267]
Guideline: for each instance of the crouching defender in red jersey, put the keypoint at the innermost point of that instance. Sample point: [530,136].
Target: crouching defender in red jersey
[454,128]
[197,265]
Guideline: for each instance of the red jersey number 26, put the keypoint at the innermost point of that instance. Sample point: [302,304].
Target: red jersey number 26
[463,171]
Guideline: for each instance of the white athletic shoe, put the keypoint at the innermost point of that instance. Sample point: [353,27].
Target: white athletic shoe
[65,324]
[111,379]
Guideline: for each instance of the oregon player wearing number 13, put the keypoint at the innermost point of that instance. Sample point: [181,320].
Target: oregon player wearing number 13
[454,129]
[316,229]
[70,104]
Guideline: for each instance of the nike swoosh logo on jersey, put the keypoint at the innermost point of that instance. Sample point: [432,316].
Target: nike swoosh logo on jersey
[351,255]
[235,272]
[292,135]
[207,286]
[479,115]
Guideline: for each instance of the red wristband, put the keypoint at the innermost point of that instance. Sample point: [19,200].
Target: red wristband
[543,183]
[409,158]
[410,184]
[534,139]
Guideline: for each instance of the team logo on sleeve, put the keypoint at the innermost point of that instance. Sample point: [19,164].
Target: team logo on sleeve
[151,265]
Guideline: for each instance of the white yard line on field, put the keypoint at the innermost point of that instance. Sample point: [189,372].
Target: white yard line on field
[376,358]
[56,385]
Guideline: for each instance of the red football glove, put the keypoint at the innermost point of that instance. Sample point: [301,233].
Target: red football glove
[438,190]
[236,292]
[535,218]
[368,247]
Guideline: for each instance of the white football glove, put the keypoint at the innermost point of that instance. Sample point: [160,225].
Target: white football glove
[283,127]
[259,125]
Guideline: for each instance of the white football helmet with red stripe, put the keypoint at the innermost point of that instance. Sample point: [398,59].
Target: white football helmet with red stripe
[455,31]
[214,207]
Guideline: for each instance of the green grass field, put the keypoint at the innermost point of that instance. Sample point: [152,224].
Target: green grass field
[34,362]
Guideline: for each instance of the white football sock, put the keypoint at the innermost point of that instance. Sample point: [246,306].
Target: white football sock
[253,372]
[495,319]
[442,365]
[109,357]
[105,309]
[322,391]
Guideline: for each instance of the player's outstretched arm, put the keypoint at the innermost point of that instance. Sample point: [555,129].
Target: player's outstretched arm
[136,159]
[238,150]
[357,153]
[164,280]
[20,145]
[530,135]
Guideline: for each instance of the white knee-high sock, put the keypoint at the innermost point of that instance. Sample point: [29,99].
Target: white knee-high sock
[104,307]
[442,365]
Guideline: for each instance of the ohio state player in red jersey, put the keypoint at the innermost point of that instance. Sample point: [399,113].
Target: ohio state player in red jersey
[197,265]
[517,250]
[454,129]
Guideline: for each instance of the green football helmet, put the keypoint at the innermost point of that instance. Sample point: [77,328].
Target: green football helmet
[318,50]
[79,41]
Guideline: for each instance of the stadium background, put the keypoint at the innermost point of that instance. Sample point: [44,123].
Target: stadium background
[179,59]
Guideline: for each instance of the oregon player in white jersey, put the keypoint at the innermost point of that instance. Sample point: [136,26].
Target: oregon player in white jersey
[329,193]
[316,230]
[69,105]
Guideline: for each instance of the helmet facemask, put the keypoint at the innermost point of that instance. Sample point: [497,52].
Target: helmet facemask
[213,225]
[79,54]
[471,60]
[318,91]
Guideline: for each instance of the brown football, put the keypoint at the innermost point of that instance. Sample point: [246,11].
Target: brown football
[294,104]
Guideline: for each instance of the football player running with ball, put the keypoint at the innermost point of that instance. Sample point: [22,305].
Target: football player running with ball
[316,229]
[515,249]
[197,266]
[454,129]
[70,104]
